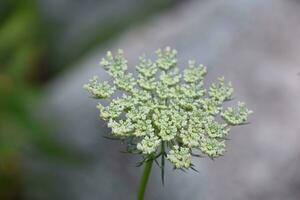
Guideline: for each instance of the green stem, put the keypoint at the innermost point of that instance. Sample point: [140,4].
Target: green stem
[163,163]
[144,180]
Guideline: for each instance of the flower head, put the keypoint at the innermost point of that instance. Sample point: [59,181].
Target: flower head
[164,112]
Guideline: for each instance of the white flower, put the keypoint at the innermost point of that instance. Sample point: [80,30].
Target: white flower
[180,157]
[237,115]
[149,144]
[164,112]
[166,58]
[99,90]
[220,92]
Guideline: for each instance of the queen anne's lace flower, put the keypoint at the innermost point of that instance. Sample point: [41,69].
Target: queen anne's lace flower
[212,147]
[237,115]
[180,157]
[149,144]
[166,113]
[146,67]
[194,74]
[166,58]
[99,90]
[220,92]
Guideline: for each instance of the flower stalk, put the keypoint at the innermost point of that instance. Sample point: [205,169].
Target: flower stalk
[144,179]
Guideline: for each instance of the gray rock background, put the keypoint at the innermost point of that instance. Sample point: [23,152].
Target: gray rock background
[253,43]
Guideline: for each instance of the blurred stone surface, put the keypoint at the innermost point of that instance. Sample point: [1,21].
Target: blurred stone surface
[78,26]
[253,43]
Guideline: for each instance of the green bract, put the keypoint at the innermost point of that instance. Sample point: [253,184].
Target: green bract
[165,113]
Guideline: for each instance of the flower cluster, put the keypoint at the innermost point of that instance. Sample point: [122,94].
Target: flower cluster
[164,112]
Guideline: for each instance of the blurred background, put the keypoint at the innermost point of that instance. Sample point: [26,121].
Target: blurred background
[51,138]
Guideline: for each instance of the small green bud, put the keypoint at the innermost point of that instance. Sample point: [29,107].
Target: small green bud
[194,74]
[149,144]
[99,90]
[220,92]
[170,79]
[180,157]
[146,68]
[125,82]
[236,116]
[166,58]
[212,147]
[115,65]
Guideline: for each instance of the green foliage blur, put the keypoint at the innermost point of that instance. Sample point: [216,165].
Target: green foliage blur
[21,53]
